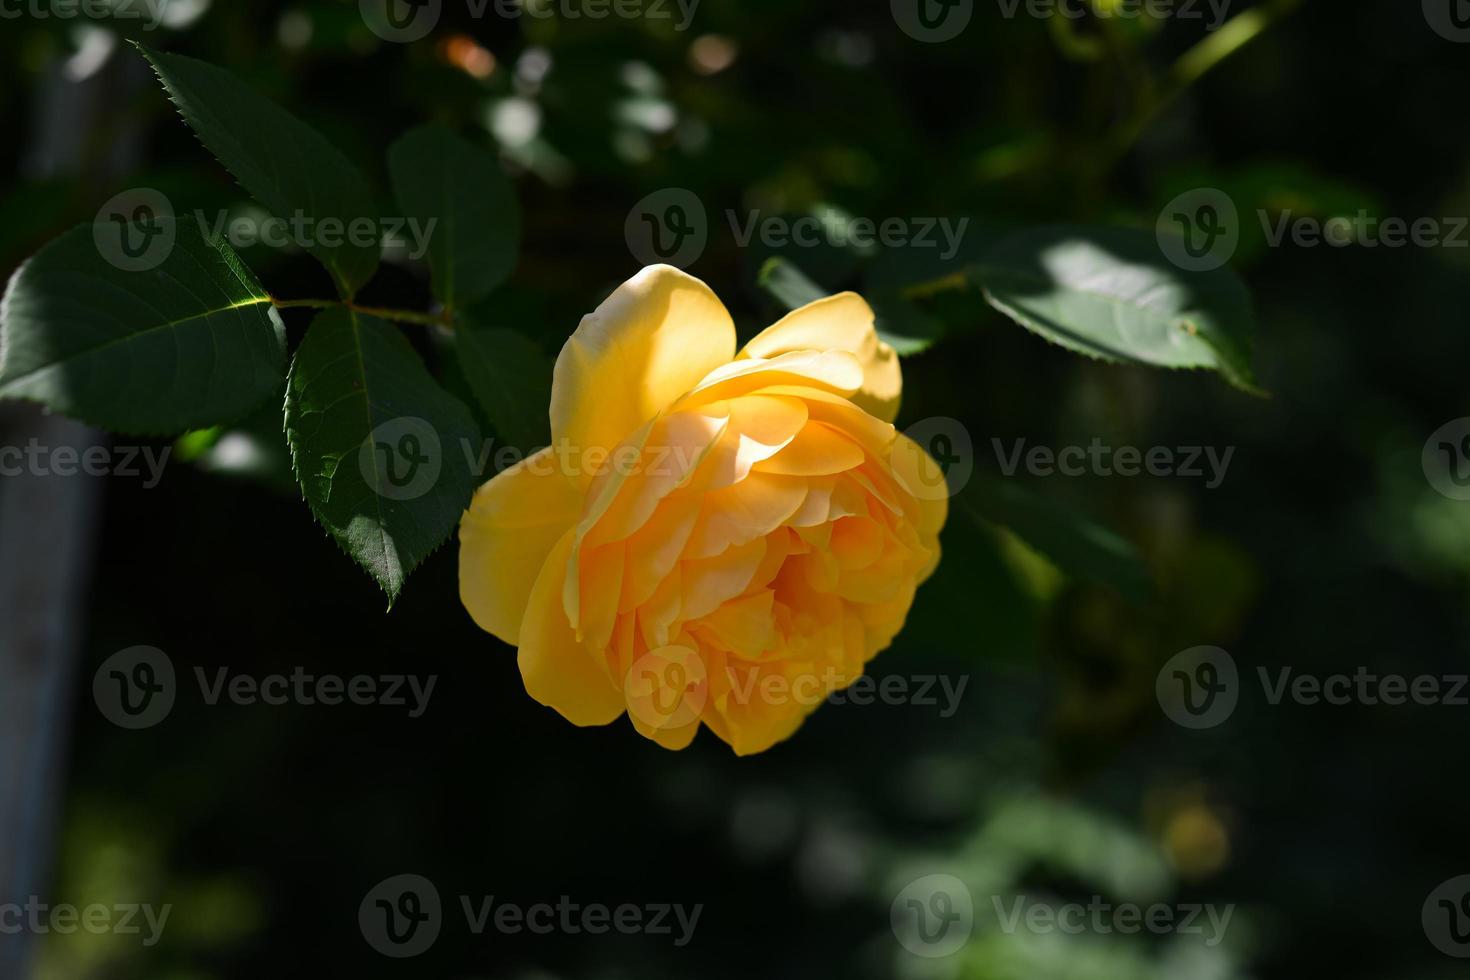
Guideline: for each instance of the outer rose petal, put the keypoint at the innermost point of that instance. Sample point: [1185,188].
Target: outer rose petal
[648,343]
[557,670]
[505,536]
[841,322]
[923,478]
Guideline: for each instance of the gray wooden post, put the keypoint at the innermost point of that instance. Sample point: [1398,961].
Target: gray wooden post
[47,529]
[48,533]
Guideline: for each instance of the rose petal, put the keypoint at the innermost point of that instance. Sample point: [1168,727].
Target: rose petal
[750,509]
[832,371]
[558,671]
[841,322]
[648,343]
[510,527]
[818,450]
[707,582]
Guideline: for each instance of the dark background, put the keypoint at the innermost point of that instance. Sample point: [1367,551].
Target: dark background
[1325,548]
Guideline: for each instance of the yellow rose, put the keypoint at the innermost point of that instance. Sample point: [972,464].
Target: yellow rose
[712,537]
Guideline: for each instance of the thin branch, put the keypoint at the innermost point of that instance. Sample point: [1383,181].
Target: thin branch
[381,312]
[1191,66]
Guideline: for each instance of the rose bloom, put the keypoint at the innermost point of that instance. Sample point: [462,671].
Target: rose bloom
[713,537]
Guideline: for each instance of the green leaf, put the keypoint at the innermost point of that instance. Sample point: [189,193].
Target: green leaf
[974,583]
[188,340]
[511,379]
[384,455]
[290,168]
[462,189]
[791,287]
[1109,293]
[903,325]
[1074,542]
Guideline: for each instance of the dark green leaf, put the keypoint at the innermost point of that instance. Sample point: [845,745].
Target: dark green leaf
[791,287]
[462,189]
[1074,542]
[1110,293]
[903,325]
[973,583]
[188,340]
[290,168]
[511,379]
[385,457]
